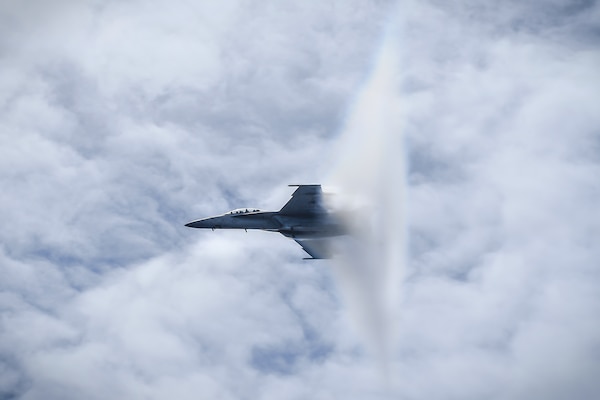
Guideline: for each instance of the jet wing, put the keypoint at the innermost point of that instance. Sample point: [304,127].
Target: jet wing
[317,248]
[307,200]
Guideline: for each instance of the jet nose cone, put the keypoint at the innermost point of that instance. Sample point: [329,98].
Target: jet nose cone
[196,224]
[210,223]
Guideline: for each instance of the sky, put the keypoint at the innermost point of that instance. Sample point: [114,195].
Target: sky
[473,126]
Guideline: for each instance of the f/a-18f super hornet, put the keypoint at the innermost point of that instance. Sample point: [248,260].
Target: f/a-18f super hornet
[303,218]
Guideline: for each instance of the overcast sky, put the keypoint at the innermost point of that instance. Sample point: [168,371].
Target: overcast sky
[123,120]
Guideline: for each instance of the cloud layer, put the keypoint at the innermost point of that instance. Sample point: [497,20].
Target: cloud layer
[121,121]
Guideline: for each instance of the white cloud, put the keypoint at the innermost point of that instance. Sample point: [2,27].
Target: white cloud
[123,121]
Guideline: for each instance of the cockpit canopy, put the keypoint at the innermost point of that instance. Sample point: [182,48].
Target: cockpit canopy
[243,211]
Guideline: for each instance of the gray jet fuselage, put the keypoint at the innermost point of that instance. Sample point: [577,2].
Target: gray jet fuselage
[313,226]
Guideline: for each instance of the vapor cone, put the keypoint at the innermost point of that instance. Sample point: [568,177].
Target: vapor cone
[370,175]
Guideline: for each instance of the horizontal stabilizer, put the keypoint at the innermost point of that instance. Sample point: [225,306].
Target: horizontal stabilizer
[317,248]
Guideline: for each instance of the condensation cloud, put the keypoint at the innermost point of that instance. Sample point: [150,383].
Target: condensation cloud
[370,176]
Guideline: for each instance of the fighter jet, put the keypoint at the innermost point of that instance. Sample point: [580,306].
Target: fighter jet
[303,218]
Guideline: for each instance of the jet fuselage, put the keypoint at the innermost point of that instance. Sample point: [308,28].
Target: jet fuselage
[291,226]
